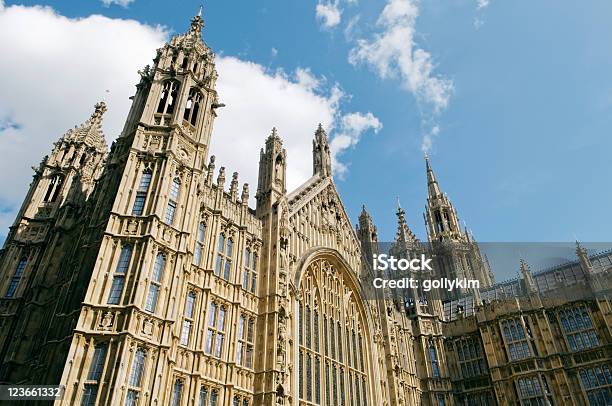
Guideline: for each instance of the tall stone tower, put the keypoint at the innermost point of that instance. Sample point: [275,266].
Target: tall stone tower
[456,253]
[34,262]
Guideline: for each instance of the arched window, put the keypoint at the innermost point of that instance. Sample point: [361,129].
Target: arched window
[329,370]
[155,285]
[192,107]
[167,98]
[54,188]
[173,197]
[141,193]
[244,347]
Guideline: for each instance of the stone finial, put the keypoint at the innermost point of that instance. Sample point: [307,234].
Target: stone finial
[210,170]
[244,197]
[234,187]
[197,23]
[221,178]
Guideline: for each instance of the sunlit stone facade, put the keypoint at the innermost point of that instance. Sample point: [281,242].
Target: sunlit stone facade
[139,275]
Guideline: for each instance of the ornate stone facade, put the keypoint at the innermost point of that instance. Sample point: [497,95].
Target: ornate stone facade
[136,276]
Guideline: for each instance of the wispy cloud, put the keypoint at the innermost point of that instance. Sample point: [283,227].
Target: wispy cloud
[122,3]
[329,14]
[392,52]
[352,127]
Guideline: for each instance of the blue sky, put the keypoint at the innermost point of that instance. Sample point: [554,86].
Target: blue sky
[524,146]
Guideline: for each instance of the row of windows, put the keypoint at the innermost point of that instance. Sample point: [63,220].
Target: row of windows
[207,396]
[119,276]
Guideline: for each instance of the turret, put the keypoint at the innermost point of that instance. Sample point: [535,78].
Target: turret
[529,283]
[321,158]
[271,184]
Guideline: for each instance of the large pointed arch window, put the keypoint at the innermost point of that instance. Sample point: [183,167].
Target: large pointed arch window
[332,368]
[167,98]
[192,107]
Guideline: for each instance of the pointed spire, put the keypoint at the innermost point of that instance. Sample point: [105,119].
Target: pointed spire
[90,132]
[432,183]
[234,187]
[583,255]
[197,23]
[404,234]
[221,178]
[321,158]
[274,136]
[244,197]
[530,283]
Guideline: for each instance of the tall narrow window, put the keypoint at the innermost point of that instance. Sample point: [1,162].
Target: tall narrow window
[155,285]
[216,330]
[224,257]
[54,188]
[173,197]
[246,269]
[433,358]
[177,392]
[244,347]
[119,277]
[199,246]
[135,377]
[141,193]
[188,319]
[192,107]
[203,401]
[90,392]
[16,278]
[167,98]
[254,258]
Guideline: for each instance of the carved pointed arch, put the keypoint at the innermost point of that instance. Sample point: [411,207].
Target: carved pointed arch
[335,347]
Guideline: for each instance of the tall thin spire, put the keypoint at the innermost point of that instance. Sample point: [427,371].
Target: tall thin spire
[432,183]
[321,157]
[404,234]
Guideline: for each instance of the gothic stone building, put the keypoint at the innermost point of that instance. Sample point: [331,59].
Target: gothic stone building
[136,276]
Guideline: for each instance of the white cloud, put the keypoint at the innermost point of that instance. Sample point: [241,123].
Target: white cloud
[54,80]
[263,101]
[122,3]
[392,52]
[352,127]
[273,52]
[482,4]
[428,138]
[328,14]
[351,27]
